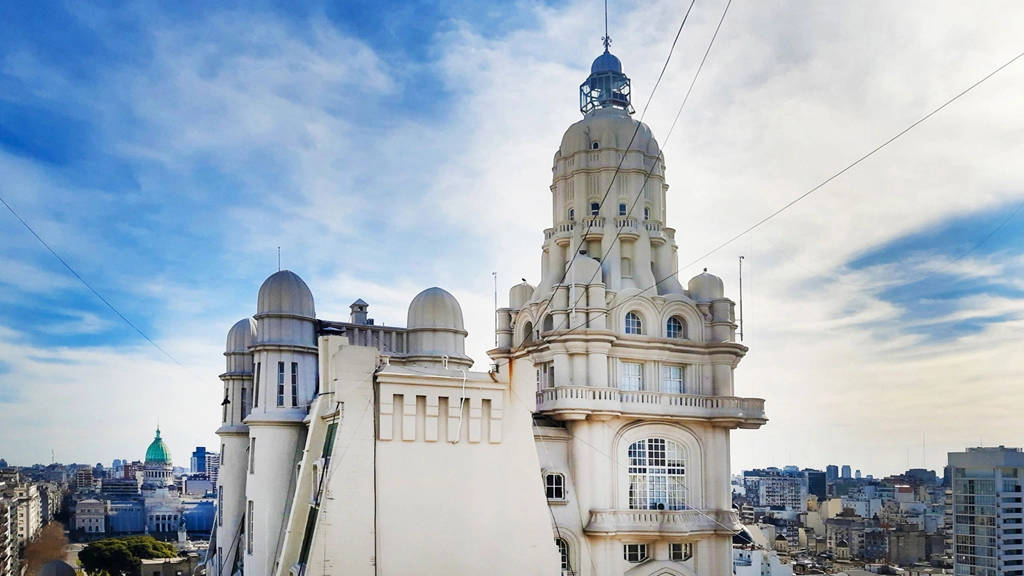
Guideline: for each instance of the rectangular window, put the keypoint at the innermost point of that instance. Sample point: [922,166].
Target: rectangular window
[249,530]
[634,552]
[252,455]
[256,387]
[224,406]
[220,506]
[632,376]
[680,552]
[672,379]
[245,399]
[295,383]
[280,383]
[554,484]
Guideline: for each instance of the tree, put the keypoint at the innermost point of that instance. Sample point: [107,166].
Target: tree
[120,556]
[48,546]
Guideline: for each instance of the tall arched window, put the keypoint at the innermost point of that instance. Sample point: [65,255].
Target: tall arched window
[633,324]
[656,475]
[563,551]
[622,209]
[675,328]
[572,215]
[549,323]
[595,208]
[528,332]
[647,213]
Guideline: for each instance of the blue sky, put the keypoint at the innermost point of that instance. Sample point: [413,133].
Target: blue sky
[166,152]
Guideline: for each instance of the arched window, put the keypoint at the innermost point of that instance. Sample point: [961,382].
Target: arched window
[622,209]
[633,324]
[528,332]
[563,551]
[572,215]
[656,475]
[549,323]
[595,208]
[675,328]
[647,213]
[595,145]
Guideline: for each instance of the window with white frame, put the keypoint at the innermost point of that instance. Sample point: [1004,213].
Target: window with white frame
[554,486]
[252,455]
[634,553]
[622,209]
[672,379]
[251,526]
[595,208]
[632,376]
[295,383]
[545,375]
[675,328]
[572,214]
[657,475]
[280,383]
[633,323]
[680,552]
[256,387]
[563,551]
[220,505]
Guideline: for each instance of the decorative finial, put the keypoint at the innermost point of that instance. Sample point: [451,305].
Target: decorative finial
[606,39]
[705,269]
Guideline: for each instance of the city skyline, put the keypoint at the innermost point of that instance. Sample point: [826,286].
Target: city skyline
[166,154]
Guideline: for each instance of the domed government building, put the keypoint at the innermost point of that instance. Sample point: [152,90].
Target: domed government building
[158,471]
[597,444]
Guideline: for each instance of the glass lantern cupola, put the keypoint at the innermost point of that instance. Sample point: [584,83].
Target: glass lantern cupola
[607,86]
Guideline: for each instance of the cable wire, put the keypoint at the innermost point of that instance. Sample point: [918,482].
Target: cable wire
[97,294]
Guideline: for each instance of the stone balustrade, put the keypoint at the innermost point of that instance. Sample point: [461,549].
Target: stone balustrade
[676,522]
[576,402]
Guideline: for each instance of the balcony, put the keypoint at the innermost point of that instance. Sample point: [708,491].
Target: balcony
[674,522]
[577,402]
[593,227]
[563,231]
[654,232]
[626,227]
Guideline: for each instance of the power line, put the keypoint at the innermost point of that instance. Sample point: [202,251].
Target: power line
[98,295]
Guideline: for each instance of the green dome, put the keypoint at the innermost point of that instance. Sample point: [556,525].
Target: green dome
[158,452]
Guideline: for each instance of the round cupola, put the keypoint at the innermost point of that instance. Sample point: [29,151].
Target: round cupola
[285,294]
[437,334]
[241,336]
[706,287]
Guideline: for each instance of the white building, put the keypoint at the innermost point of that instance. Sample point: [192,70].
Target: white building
[91,516]
[988,513]
[598,444]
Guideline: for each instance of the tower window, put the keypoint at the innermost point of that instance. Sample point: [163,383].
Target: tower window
[554,486]
[595,208]
[252,526]
[256,388]
[595,146]
[656,475]
[280,383]
[627,268]
[632,376]
[634,553]
[245,400]
[675,328]
[295,383]
[633,324]
[647,213]
[252,455]
[220,505]
[622,209]
[572,215]
[563,551]
[680,552]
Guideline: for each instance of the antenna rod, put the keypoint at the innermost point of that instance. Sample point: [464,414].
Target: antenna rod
[495,274]
[278,258]
[741,298]
[606,40]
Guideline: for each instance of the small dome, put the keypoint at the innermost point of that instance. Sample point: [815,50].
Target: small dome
[842,544]
[435,308]
[241,336]
[606,62]
[780,537]
[706,287]
[158,452]
[519,295]
[285,293]
[56,568]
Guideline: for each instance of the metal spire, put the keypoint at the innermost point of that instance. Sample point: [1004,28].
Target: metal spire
[606,39]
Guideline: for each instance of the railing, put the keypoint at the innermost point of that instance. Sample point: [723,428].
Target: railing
[549,233]
[653,226]
[565,227]
[661,521]
[625,222]
[593,222]
[589,399]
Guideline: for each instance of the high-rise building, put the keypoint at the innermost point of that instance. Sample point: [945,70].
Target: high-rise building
[341,441]
[846,472]
[817,483]
[831,473]
[774,487]
[198,462]
[988,513]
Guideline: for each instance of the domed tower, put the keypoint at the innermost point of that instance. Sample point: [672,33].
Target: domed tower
[636,368]
[234,436]
[158,471]
[437,334]
[284,383]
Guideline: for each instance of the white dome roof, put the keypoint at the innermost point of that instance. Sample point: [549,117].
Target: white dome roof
[584,270]
[435,308]
[519,295]
[610,128]
[285,293]
[706,287]
[241,336]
